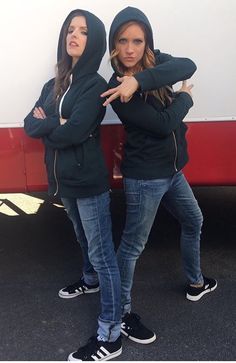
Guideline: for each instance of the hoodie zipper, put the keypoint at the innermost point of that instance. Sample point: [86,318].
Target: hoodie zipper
[56,151]
[55,174]
[176,151]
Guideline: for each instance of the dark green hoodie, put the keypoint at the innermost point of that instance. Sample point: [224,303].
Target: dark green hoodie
[74,159]
[155,145]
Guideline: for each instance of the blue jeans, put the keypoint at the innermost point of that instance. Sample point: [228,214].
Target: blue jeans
[92,224]
[142,201]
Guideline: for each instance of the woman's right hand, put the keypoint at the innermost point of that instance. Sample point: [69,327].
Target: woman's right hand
[186,88]
[128,86]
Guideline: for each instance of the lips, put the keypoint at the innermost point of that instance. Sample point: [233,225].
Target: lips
[73,44]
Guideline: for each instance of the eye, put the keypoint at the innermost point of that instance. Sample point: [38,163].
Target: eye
[70,30]
[84,32]
[122,41]
[138,41]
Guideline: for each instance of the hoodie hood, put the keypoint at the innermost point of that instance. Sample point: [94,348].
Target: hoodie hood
[95,48]
[126,15]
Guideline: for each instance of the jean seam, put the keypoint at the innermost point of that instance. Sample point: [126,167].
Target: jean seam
[100,240]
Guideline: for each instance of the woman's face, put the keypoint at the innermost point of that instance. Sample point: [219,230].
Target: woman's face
[131,45]
[76,38]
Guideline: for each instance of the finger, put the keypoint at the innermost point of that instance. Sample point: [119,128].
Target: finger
[36,112]
[184,83]
[42,112]
[120,79]
[36,109]
[37,115]
[41,115]
[109,92]
[190,86]
[111,98]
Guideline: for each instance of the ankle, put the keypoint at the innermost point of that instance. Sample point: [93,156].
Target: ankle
[197,285]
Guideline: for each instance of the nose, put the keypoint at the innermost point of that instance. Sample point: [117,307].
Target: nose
[74,33]
[129,48]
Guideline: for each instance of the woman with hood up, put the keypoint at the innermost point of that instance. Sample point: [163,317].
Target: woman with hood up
[67,117]
[155,152]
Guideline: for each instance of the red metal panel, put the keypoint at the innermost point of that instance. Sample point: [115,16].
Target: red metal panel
[12,168]
[212,151]
[36,179]
[112,137]
[211,146]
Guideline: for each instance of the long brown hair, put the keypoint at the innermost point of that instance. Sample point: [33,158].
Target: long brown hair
[64,66]
[148,61]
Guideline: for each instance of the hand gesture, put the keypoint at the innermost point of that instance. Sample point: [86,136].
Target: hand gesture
[128,86]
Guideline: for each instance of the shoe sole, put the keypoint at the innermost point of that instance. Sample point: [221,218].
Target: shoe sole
[111,356]
[71,296]
[136,340]
[198,297]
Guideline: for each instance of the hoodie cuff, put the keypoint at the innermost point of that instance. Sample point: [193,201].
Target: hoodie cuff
[144,79]
[187,98]
[53,121]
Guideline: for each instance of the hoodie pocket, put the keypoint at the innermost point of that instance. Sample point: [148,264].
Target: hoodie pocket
[69,164]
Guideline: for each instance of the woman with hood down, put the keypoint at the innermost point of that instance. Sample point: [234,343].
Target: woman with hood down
[67,117]
[155,152]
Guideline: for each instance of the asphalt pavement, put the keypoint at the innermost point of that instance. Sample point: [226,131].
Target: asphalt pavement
[39,255]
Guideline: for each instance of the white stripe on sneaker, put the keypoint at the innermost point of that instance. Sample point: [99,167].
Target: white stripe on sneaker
[95,357]
[104,350]
[100,354]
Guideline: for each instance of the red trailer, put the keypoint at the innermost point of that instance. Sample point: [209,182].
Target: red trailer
[203,31]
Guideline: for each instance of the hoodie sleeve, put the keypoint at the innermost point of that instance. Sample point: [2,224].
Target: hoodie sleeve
[86,115]
[138,113]
[38,128]
[168,71]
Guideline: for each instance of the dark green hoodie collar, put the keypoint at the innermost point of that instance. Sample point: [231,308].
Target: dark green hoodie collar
[95,48]
[126,15]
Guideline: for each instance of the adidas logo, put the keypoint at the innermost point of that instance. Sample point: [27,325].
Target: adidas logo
[100,354]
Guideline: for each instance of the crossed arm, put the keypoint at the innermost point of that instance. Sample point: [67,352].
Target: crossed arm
[60,133]
[39,114]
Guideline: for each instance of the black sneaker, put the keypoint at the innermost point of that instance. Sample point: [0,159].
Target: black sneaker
[133,329]
[77,289]
[195,293]
[96,350]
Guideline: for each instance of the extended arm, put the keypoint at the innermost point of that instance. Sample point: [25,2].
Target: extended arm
[168,71]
